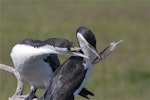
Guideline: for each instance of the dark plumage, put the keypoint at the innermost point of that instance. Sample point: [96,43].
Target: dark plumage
[56,42]
[63,78]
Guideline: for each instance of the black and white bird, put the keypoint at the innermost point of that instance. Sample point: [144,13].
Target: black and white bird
[36,60]
[69,79]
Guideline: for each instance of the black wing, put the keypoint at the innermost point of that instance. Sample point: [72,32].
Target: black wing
[66,80]
[53,60]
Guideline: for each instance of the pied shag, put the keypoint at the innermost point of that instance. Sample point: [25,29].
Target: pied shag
[69,79]
[36,60]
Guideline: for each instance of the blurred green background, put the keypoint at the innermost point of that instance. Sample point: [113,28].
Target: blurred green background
[124,75]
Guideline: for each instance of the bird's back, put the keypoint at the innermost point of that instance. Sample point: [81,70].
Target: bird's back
[66,79]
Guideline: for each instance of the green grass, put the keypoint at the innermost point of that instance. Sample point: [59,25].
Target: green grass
[124,75]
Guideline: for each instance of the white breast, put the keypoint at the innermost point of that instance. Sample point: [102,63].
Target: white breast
[37,73]
[30,64]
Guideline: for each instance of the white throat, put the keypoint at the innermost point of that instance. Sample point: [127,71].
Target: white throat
[84,45]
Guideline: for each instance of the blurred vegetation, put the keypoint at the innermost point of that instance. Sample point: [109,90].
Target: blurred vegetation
[124,75]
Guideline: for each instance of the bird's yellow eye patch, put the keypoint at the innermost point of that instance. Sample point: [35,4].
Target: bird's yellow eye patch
[71,49]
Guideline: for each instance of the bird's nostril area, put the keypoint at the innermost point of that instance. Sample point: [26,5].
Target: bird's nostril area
[71,49]
[74,49]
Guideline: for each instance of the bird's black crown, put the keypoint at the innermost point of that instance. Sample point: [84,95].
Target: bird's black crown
[88,35]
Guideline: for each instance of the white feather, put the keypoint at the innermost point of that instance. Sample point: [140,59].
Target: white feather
[28,61]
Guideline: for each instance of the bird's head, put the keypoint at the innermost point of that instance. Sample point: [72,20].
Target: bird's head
[64,46]
[87,43]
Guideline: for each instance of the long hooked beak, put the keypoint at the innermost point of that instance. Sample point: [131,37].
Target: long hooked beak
[73,51]
[76,51]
